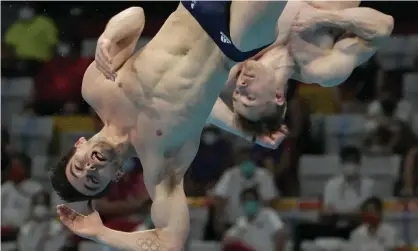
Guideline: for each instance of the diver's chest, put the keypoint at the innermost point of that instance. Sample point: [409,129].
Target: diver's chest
[169,125]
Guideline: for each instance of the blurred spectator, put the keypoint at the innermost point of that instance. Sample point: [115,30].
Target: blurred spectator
[16,195]
[260,227]
[31,39]
[228,189]
[42,231]
[408,181]
[120,209]
[385,129]
[212,158]
[380,142]
[298,121]
[387,106]
[58,84]
[343,196]
[373,234]
[5,151]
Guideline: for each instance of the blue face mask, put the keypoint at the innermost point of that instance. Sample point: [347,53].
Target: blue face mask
[251,207]
[248,169]
[129,165]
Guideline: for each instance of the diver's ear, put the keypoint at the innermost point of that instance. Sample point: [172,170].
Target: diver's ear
[233,75]
[280,98]
[80,141]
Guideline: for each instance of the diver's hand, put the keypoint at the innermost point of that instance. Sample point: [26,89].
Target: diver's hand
[273,141]
[88,226]
[103,58]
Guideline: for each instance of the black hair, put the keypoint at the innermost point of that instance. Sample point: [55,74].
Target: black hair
[63,187]
[250,191]
[350,154]
[388,107]
[375,201]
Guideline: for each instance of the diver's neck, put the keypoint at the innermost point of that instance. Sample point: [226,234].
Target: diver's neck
[282,64]
[119,137]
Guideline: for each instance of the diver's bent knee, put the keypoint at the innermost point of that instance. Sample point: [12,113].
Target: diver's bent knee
[389,23]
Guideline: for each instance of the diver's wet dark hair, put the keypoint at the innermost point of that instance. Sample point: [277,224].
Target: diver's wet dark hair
[63,187]
[266,125]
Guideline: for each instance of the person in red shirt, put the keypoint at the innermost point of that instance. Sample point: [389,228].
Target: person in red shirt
[59,80]
[121,207]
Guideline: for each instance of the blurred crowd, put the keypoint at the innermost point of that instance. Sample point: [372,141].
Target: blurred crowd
[240,183]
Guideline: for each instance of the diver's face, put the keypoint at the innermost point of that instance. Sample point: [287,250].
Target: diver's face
[256,93]
[94,165]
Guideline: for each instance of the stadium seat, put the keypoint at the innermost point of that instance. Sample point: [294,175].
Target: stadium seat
[90,246]
[384,171]
[410,88]
[343,130]
[31,135]
[14,94]
[406,225]
[196,245]
[39,167]
[314,171]
[198,219]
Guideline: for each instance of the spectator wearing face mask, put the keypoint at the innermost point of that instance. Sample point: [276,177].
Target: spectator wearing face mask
[212,158]
[59,81]
[373,234]
[42,231]
[407,183]
[31,39]
[260,228]
[16,195]
[390,107]
[228,189]
[342,198]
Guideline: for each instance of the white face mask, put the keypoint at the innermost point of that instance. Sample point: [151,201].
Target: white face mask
[350,169]
[63,50]
[26,13]
[40,211]
[209,138]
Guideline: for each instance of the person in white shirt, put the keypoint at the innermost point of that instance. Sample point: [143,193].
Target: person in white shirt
[342,198]
[402,110]
[373,234]
[233,181]
[260,228]
[42,231]
[16,195]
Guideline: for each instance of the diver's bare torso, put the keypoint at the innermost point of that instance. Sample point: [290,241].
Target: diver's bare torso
[164,93]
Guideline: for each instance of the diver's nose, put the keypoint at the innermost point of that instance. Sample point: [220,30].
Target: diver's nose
[91,167]
[242,84]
